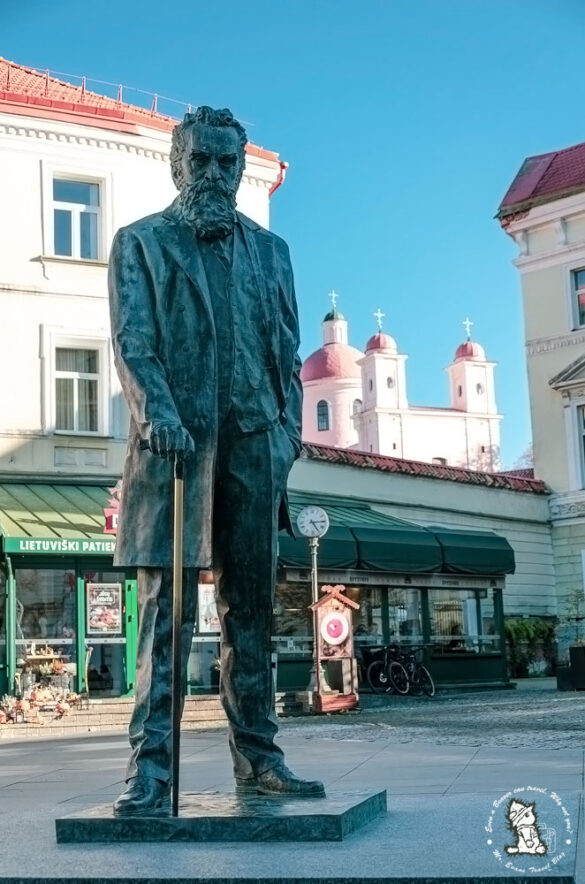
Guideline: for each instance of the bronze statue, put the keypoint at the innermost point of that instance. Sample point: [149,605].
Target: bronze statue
[205,336]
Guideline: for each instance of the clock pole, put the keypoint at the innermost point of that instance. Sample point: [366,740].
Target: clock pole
[314,683]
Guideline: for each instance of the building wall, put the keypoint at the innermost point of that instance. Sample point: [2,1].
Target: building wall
[551,242]
[44,298]
[521,517]
[340,394]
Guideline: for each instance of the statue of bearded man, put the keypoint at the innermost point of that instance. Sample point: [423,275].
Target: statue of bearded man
[205,336]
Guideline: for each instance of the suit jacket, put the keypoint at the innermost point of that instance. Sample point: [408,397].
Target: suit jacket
[163,335]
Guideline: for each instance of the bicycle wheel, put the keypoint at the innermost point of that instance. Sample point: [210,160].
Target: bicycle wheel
[377,677]
[424,680]
[398,677]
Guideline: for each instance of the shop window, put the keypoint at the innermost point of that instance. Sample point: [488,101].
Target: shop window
[578,286]
[76,390]
[322,415]
[462,621]
[76,218]
[291,616]
[46,609]
[367,621]
[105,633]
[404,616]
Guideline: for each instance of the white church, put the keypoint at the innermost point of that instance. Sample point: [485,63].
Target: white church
[359,401]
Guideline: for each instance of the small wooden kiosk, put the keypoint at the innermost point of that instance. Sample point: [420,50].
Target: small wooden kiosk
[334,651]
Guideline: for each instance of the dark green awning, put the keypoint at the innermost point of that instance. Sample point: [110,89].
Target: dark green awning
[474,552]
[336,550]
[398,547]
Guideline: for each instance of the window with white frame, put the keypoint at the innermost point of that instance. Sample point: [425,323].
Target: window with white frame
[76,218]
[77,390]
[579,295]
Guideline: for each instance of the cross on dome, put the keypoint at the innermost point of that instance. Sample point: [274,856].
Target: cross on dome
[468,323]
[334,296]
[378,315]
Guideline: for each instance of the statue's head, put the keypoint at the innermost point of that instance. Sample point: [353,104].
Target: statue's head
[207,161]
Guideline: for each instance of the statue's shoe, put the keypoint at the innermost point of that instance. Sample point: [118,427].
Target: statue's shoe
[145,796]
[280,782]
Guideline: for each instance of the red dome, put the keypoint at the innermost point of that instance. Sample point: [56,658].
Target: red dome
[332,361]
[381,341]
[470,350]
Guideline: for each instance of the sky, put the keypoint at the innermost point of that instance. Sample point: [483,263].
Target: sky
[403,121]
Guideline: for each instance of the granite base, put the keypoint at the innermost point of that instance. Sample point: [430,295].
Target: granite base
[217,816]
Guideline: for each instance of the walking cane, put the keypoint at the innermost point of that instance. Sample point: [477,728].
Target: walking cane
[176,689]
[176,685]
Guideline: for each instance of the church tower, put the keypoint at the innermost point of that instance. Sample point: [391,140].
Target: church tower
[383,395]
[471,378]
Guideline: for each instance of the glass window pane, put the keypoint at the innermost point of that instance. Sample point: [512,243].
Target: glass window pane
[291,610]
[581,306]
[62,232]
[88,231]
[46,603]
[322,415]
[454,622]
[367,621]
[76,359]
[65,411]
[82,192]
[404,615]
[88,408]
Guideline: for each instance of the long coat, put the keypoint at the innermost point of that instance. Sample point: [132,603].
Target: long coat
[164,341]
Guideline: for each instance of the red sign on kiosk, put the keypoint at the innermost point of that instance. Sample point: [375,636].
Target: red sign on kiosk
[335,654]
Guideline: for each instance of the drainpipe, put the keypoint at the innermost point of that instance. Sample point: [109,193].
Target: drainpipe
[280,179]
[10,627]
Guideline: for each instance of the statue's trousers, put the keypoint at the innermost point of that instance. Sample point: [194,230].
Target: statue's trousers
[250,480]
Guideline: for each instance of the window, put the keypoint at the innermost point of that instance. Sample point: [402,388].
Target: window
[462,621]
[460,391]
[370,385]
[479,389]
[581,426]
[579,295]
[357,406]
[76,218]
[322,415]
[389,382]
[440,461]
[76,390]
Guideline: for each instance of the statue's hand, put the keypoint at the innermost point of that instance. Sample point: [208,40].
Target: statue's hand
[170,441]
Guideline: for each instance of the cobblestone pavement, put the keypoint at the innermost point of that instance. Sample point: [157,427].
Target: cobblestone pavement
[535,717]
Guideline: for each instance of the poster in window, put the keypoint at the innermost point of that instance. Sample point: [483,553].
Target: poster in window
[208,620]
[104,608]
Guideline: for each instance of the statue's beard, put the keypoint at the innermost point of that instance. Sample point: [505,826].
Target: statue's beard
[209,208]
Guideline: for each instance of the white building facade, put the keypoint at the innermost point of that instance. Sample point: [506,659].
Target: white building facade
[359,400]
[74,167]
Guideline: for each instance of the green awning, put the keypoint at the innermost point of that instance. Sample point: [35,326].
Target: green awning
[398,547]
[474,552]
[54,518]
[336,550]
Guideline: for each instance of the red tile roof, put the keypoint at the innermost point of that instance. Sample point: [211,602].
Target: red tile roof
[40,94]
[544,178]
[349,457]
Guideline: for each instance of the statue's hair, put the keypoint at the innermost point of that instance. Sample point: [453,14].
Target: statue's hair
[205,116]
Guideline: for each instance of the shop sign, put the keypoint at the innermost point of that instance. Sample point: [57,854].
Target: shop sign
[60,546]
[207,609]
[104,608]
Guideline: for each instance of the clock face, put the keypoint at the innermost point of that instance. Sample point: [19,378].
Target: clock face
[313,521]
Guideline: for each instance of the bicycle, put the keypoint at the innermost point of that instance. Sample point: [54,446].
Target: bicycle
[419,678]
[387,674]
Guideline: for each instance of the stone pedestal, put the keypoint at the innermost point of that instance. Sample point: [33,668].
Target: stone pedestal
[216,816]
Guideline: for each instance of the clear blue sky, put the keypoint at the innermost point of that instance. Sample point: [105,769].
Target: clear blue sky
[403,121]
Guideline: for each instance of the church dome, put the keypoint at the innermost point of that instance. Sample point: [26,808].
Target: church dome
[333,315]
[381,341]
[470,350]
[334,361]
